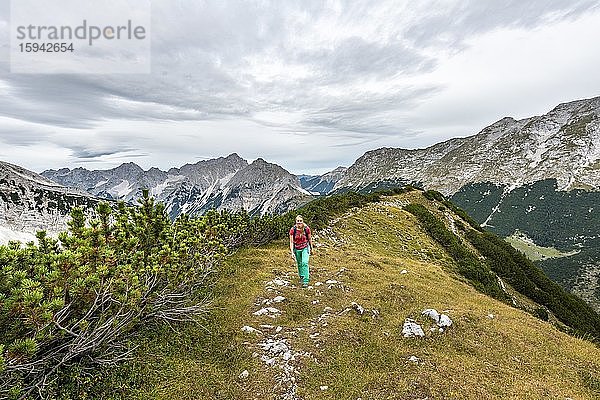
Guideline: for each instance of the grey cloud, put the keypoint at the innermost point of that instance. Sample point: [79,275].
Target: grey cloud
[82,152]
[21,137]
[356,58]
[200,67]
[366,114]
[450,27]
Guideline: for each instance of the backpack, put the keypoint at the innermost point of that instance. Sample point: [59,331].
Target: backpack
[305,231]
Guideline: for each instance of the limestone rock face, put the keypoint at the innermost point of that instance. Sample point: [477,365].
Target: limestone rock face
[563,144]
[29,202]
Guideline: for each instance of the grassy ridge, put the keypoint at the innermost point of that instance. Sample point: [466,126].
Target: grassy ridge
[468,264]
[358,356]
[512,266]
[512,356]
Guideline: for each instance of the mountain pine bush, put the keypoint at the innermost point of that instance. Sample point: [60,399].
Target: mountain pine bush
[469,265]
[74,300]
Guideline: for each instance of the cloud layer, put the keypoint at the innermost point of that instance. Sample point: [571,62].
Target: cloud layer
[307,84]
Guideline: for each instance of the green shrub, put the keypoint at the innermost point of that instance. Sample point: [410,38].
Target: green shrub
[541,313]
[434,195]
[528,279]
[469,266]
[61,305]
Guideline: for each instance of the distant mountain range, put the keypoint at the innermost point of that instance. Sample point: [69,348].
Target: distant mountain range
[222,183]
[322,184]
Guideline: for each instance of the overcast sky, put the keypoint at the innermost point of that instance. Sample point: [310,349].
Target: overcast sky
[309,85]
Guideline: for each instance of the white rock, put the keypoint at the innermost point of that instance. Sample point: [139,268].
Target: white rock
[287,355]
[266,326]
[491,316]
[270,361]
[314,335]
[274,347]
[359,309]
[404,272]
[280,282]
[327,309]
[249,329]
[330,282]
[318,283]
[412,329]
[267,311]
[324,387]
[414,359]
[316,302]
[278,299]
[244,374]
[431,313]
[279,329]
[444,321]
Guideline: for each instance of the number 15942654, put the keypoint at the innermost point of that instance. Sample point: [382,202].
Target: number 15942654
[46,47]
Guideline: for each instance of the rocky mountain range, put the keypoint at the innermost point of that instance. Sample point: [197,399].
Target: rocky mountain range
[563,144]
[221,183]
[322,184]
[29,202]
[535,180]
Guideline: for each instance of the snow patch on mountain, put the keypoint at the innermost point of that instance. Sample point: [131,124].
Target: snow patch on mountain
[226,182]
[122,189]
[8,234]
[157,190]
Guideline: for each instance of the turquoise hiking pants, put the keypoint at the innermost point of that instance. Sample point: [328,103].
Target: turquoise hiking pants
[302,261]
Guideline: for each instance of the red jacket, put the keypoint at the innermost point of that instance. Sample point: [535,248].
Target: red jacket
[301,237]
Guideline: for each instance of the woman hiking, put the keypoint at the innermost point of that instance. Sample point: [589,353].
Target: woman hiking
[301,246]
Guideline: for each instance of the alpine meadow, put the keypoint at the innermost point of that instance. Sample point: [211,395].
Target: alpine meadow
[283,200]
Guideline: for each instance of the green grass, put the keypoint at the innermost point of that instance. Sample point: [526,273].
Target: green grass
[512,356]
[533,251]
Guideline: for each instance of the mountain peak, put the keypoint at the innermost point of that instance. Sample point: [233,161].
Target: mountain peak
[234,156]
[129,166]
[259,161]
[561,145]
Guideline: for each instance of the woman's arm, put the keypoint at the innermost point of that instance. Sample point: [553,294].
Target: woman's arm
[292,246]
